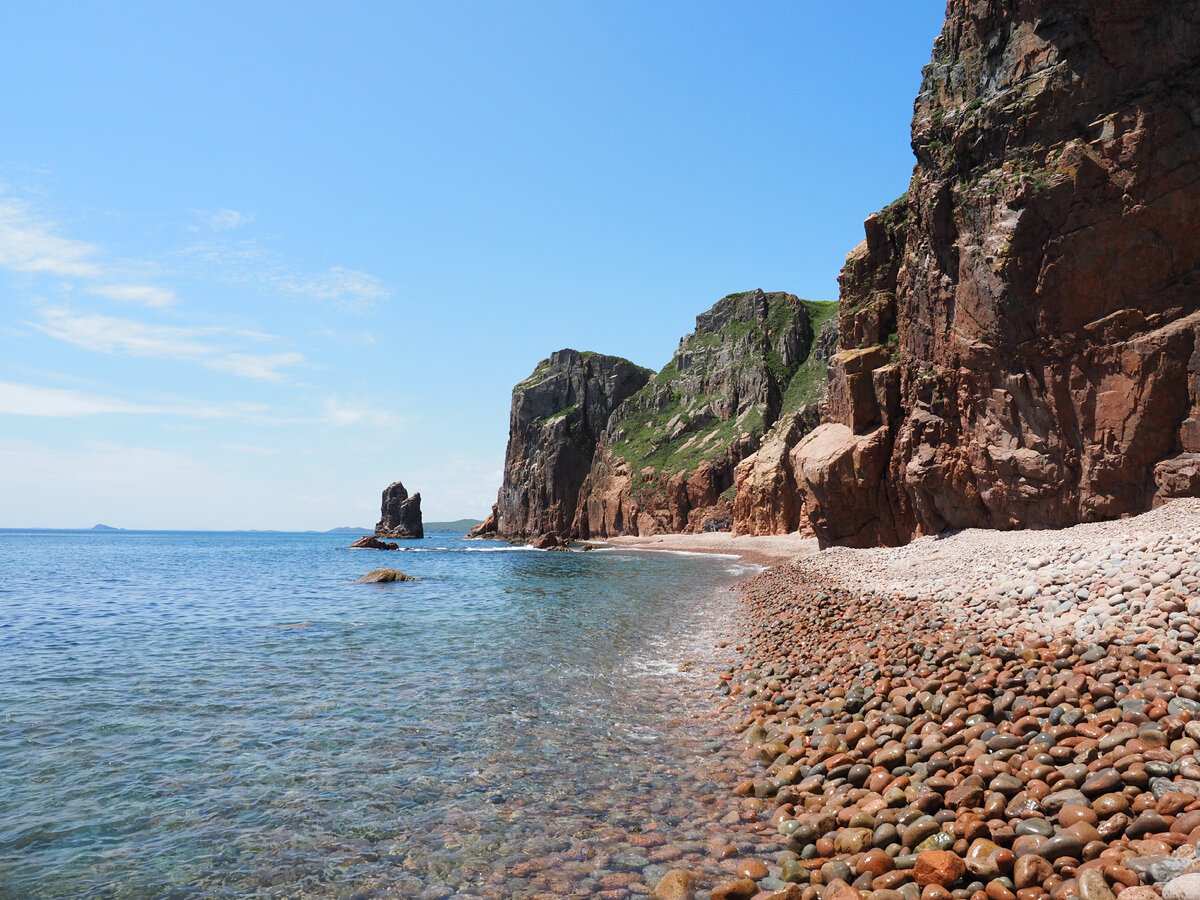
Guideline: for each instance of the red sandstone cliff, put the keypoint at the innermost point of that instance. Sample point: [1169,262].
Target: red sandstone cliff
[1042,280]
[1019,334]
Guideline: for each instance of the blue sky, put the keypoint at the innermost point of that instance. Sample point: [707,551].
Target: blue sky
[258,260]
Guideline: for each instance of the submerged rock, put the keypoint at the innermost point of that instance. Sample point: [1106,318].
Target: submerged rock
[385,576]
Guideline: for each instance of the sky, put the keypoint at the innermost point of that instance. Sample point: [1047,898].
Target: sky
[259,260]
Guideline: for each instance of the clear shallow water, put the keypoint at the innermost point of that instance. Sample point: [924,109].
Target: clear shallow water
[212,715]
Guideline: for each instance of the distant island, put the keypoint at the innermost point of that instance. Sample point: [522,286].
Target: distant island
[105,528]
[458,526]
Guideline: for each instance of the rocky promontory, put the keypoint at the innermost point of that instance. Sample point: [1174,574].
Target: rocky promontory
[600,447]
[558,414]
[667,460]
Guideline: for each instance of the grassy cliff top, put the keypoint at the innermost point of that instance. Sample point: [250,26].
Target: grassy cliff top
[542,370]
[672,428]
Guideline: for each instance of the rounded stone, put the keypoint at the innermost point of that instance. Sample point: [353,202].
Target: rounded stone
[1030,871]
[938,867]
[752,868]
[678,884]
[1185,887]
[1092,886]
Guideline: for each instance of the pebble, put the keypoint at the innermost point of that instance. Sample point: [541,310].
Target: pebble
[985,716]
[1185,887]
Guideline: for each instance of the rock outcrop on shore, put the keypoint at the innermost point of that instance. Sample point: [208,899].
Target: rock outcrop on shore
[400,515]
[370,542]
[668,460]
[600,447]
[558,414]
[1020,334]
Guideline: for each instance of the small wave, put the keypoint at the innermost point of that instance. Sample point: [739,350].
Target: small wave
[512,549]
[682,552]
[745,569]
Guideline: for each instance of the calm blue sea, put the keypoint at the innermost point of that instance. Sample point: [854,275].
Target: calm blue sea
[192,714]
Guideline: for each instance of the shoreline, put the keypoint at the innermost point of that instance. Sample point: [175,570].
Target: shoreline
[973,716]
[765,550]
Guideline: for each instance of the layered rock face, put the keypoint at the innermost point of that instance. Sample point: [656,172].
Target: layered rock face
[667,460]
[1020,335]
[766,497]
[558,414]
[600,447]
[400,515]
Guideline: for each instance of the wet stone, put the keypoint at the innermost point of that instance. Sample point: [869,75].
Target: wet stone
[1034,826]
[1092,886]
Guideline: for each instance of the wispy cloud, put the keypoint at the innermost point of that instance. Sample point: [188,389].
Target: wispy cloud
[145,294]
[32,244]
[222,219]
[346,288]
[246,261]
[18,399]
[341,412]
[132,337]
[262,367]
[28,244]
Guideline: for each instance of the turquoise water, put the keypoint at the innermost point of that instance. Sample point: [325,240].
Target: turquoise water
[230,715]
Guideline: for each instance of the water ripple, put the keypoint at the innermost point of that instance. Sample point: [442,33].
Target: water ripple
[217,715]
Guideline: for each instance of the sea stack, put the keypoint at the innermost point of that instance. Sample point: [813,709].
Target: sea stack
[400,514]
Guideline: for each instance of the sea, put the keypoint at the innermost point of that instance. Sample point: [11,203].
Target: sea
[202,714]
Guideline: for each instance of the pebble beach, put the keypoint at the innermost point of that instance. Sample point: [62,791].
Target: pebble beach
[976,716]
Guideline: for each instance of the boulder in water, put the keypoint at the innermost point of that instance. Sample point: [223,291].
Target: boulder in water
[370,542]
[385,576]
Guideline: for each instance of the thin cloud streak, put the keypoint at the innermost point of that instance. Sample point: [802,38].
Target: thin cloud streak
[347,288]
[263,367]
[248,262]
[18,399]
[145,294]
[339,412]
[132,337]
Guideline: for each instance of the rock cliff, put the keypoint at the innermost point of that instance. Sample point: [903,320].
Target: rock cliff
[1020,334]
[667,461]
[600,447]
[400,514]
[558,414]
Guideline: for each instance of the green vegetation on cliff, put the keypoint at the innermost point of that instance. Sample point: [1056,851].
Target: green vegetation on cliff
[809,381]
[545,368]
[749,359]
